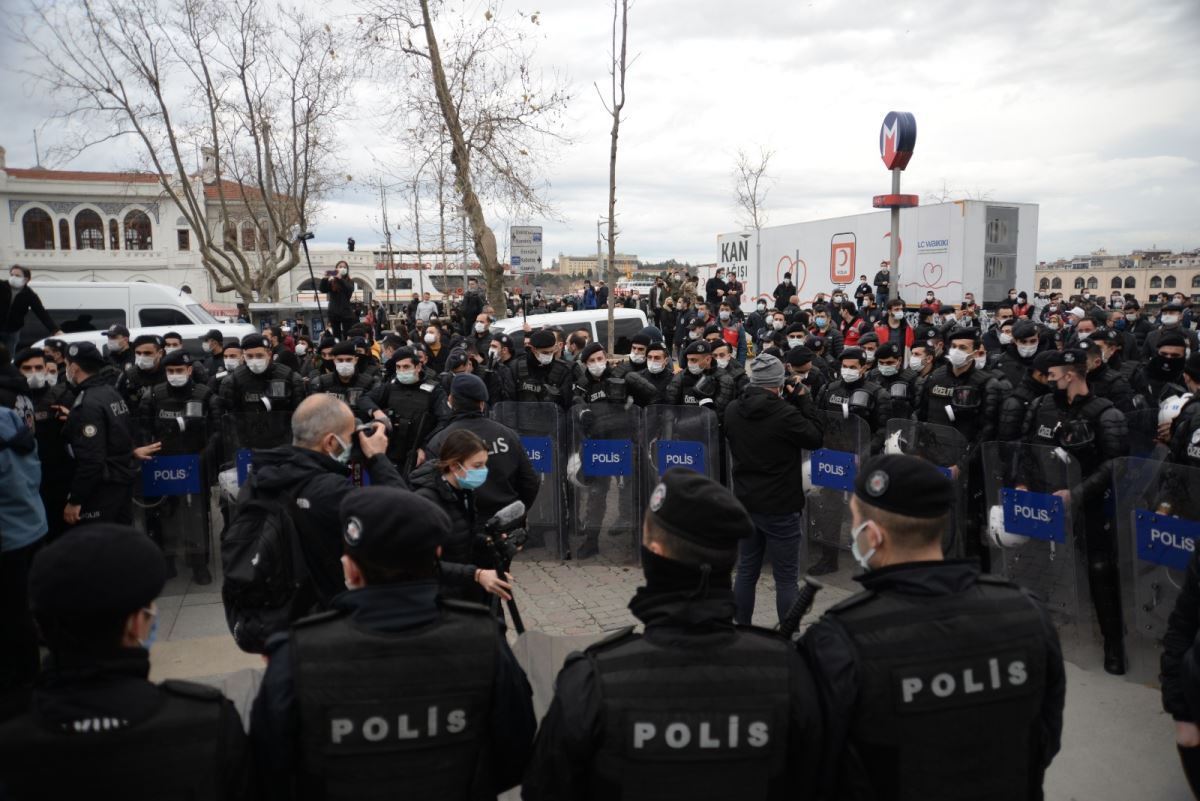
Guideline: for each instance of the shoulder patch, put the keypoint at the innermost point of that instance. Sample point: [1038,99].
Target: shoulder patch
[611,639]
[858,599]
[191,689]
[89,430]
[319,617]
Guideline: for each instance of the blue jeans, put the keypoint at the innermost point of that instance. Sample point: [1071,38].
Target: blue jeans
[779,537]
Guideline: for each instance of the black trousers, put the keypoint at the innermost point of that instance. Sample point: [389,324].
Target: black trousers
[109,503]
[18,637]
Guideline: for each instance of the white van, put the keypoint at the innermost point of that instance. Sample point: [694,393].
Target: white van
[85,309]
[627,323]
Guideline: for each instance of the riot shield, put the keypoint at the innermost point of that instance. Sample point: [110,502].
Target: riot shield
[947,448]
[540,427]
[679,436]
[831,472]
[242,433]
[172,496]
[1158,523]
[1032,533]
[604,476]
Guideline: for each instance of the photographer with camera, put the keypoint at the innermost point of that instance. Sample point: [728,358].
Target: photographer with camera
[339,289]
[450,482]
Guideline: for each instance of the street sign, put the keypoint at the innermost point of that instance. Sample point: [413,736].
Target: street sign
[525,248]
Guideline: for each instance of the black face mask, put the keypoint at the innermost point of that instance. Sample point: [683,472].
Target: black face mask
[667,575]
[1166,367]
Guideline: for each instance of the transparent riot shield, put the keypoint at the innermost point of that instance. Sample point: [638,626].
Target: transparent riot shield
[604,481]
[831,472]
[173,494]
[947,448]
[1158,524]
[540,428]
[680,436]
[242,433]
[1032,533]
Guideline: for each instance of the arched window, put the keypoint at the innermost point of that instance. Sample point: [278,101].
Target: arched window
[137,231]
[1044,284]
[1196,281]
[1130,283]
[1116,282]
[1079,283]
[39,230]
[1169,282]
[249,237]
[1093,283]
[64,234]
[114,236]
[1056,283]
[89,231]
[1156,282]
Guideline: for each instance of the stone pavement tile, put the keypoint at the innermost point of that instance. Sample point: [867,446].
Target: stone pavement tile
[200,620]
[199,657]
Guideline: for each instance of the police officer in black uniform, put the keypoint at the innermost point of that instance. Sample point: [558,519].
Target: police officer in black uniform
[393,692]
[700,383]
[179,417]
[1105,381]
[539,376]
[898,381]
[1093,431]
[95,727]
[412,405]
[51,403]
[939,682]
[231,359]
[213,345]
[346,381]
[1034,383]
[261,394]
[99,437]
[135,384]
[1183,441]
[657,376]
[118,355]
[853,392]
[1016,357]
[695,707]
[800,363]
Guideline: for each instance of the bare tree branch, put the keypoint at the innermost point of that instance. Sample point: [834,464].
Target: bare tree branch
[750,186]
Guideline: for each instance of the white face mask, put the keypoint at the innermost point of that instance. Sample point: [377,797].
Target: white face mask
[344,369]
[480,328]
[1083,335]
[1131,316]
[850,375]
[51,379]
[1027,351]
[301,349]
[114,344]
[1004,338]
[795,343]
[693,334]
[257,365]
[16,281]
[777,325]
[637,358]
[172,348]
[1053,325]
[863,559]
[695,369]
[1170,319]
[916,363]
[494,354]
[231,364]
[870,354]
[724,315]
[430,338]
[597,368]
[656,367]
[889,369]
[35,380]
[898,314]
[980,362]
[722,363]
[177,380]
[406,376]
[144,362]
[545,358]
[957,358]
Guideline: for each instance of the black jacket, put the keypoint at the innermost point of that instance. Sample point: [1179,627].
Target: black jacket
[99,431]
[15,305]
[321,482]
[1014,406]
[766,435]
[511,476]
[1179,644]
[338,290]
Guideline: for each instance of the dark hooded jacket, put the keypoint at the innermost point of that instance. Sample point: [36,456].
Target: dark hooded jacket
[766,434]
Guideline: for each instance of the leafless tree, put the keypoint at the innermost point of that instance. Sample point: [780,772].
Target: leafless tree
[947,194]
[472,89]
[750,186]
[614,105]
[222,77]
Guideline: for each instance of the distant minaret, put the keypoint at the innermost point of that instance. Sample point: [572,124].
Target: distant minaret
[208,173]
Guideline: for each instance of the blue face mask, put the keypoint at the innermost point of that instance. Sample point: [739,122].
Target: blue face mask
[473,479]
[153,635]
[820,322]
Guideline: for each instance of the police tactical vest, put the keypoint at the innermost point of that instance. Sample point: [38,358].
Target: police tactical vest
[950,692]
[410,409]
[274,384]
[331,384]
[535,388]
[674,729]
[395,714]
[175,754]
[171,406]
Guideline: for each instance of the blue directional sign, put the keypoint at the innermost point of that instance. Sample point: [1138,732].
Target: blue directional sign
[244,458]
[833,469]
[607,457]
[541,453]
[680,453]
[1164,539]
[1034,514]
[171,475]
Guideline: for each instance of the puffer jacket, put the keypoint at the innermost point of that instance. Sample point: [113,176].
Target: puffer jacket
[463,551]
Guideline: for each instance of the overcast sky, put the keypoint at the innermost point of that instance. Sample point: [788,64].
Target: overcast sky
[1090,109]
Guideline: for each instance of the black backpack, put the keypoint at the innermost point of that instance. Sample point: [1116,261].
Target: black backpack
[267,583]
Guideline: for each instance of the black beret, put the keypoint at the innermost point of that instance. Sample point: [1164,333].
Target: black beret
[796,328]
[1024,329]
[326,342]
[214,334]
[231,342]
[1171,306]
[640,339]
[1044,360]
[814,342]
[1132,304]
[867,339]
[887,350]
[344,348]
[542,339]
[25,354]
[1007,322]
[148,339]
[1109,335]
[964,333]
[656,346]
[1192,368]
[255,341]
[84,353]
[417,348]
[469,386]
[456,359]
[697,348]
[697,509]
[97,570]
[852,353]
[179,358]
[404,353]
[53,342]
[798,356]
[591,350]
[386,526]
[117,330]
[709,330]
[505,341]
[1171,339]
[172,335]
[1061,358]
[392,341]
[905,485]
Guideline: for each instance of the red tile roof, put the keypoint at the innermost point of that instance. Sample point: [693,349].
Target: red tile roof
[37,173]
